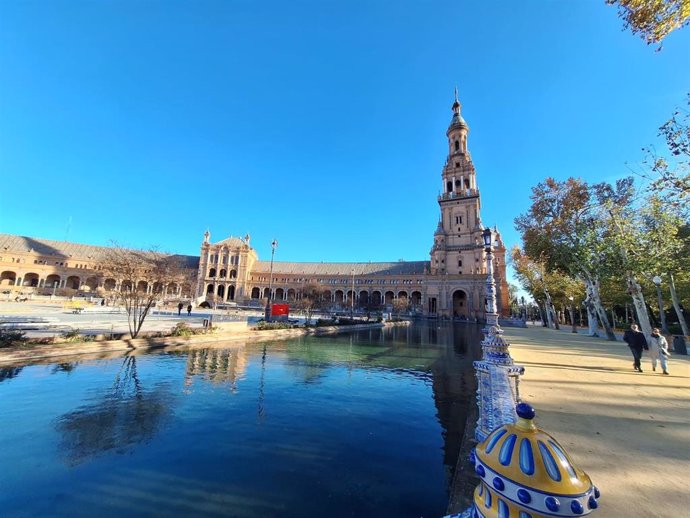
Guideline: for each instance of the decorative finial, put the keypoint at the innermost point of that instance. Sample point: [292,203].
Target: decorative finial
[525,410]
[456,104]
[207,235]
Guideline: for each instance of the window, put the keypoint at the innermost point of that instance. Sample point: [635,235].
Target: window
[458,220]
[459,262]
[457,145]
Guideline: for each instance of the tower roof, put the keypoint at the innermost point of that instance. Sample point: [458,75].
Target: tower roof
[457,121]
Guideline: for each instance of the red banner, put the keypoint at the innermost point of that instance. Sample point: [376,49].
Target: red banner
[280,310]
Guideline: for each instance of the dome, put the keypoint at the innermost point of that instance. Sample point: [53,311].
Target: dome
[525,473]
[457,122]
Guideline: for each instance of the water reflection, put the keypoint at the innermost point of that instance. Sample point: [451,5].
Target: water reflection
[118,419]
[219,366]
[7,373]
[360,424]
[64,367]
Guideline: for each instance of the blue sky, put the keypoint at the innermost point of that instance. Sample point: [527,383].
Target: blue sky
[319,123]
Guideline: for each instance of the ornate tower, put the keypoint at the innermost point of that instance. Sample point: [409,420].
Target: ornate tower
[458,264]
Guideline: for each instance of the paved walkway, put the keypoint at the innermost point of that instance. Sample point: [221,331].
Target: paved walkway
[629,431]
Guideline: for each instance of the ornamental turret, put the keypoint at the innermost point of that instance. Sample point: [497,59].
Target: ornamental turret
[525,473]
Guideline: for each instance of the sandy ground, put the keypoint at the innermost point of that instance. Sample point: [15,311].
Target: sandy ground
[629,431]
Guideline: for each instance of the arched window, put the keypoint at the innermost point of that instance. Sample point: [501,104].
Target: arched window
[457,145]
[212,272]
[449,186]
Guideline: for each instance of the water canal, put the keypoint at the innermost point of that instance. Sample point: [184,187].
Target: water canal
[367,424]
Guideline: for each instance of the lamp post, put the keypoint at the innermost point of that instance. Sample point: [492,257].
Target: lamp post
[572,313]
[497,375]
[267,316]
[491,313]
[657,281]
[352,301]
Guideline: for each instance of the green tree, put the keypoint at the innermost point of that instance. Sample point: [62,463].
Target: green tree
[669,170]
[653,20]
[561,228]
[641,237]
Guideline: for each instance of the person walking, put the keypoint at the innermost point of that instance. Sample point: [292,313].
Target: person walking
[636,341]
[179,308]
[189,310]
[658,350]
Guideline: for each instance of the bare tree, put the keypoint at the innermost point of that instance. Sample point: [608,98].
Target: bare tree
[144,276]
[312,299]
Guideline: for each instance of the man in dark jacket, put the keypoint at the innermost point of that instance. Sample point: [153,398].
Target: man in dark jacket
[636,341]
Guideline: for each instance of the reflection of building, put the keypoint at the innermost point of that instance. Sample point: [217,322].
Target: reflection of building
[450,284]
[219,366]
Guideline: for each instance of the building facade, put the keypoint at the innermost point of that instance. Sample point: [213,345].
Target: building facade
[450,284]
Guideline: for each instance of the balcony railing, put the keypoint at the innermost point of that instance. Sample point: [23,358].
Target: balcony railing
[464,193]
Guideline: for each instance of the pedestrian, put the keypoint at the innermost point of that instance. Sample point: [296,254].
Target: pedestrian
[189,310]
[179,308]
[636,341]
[658,350]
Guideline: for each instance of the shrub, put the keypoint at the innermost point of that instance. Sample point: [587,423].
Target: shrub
[325,322]
[182,329]
[73,336]
[10,337]
[264,326]
[347,321]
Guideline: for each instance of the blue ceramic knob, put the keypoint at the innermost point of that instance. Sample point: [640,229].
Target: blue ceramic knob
[525,411]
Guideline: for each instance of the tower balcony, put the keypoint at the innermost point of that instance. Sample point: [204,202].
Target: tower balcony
[456,195]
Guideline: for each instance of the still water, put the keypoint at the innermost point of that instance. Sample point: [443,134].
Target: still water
[357,425]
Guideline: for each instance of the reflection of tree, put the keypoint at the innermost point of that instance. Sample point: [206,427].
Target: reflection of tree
[64,367]
[7,373]
[119,420]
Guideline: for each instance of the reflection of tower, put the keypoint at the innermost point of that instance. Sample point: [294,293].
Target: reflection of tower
[219,366]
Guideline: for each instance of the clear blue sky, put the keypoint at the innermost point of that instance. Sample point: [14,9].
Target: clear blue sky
[319,123]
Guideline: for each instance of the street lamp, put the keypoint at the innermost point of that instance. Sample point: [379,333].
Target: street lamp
[352,301]
[657,281]
[267,316]
[491,312]
[572,313]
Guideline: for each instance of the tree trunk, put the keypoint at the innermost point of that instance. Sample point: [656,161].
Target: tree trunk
[640,307]
[593,287]
[592,322]
[548,307]
[676,306]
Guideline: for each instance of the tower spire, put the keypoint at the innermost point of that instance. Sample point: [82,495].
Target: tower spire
[456,103]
